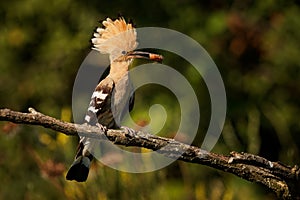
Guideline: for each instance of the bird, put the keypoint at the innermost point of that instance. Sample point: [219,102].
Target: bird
[113,95]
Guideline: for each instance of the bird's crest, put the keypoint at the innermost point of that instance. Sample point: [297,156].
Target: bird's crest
[116,38]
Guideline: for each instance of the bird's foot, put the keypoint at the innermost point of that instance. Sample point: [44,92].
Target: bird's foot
[103,128]
[129,131]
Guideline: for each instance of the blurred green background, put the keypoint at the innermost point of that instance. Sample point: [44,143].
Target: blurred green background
[255,44]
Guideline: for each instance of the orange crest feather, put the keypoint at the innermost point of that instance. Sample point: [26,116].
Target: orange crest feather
[115,39]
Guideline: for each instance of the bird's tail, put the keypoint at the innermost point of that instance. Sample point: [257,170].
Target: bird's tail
[79,169]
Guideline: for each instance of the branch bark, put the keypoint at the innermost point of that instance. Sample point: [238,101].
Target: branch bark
[280,178]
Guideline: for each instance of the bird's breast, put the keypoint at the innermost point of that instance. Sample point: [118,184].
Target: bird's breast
[120,98]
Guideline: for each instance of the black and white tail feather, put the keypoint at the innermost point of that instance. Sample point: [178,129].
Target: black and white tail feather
[79,170]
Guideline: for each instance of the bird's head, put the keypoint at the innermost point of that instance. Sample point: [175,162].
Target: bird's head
[118,39]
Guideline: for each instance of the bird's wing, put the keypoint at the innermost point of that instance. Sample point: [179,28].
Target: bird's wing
[100,105]
[131,101]
[99,110]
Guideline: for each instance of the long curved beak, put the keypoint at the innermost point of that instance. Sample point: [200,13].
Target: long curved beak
[145,55]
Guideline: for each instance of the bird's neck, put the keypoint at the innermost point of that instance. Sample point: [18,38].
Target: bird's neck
[118,70]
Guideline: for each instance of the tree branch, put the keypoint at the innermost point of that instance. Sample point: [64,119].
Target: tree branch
[280,178]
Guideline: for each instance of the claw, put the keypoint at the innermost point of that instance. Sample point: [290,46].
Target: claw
[103,128]
[129,131]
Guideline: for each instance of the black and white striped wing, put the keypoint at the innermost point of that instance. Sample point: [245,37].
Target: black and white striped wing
[100,105]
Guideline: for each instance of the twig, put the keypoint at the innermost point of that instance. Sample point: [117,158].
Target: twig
[282,179]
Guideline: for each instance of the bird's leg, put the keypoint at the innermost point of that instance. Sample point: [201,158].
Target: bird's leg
[129,131]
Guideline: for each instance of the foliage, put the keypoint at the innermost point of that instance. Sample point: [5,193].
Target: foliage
[254,44]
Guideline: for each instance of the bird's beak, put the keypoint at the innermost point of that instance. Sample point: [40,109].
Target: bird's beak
[145,55]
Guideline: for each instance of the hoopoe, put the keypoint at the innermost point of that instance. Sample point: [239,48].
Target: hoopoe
[112,96]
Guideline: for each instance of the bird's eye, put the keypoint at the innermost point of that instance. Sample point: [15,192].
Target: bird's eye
[123,52]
